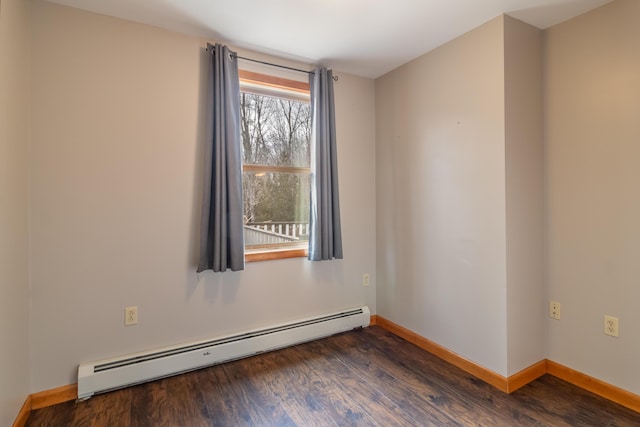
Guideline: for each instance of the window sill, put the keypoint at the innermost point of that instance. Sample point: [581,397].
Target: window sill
[273,255]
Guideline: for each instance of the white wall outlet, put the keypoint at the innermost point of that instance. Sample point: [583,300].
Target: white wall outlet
[130,316]
[554,310]
[611,326]
[365,279]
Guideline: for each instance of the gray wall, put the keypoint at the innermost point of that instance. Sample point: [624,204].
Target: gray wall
[459,192]
[524,181]
[592,111]
[14,290]
[446,174]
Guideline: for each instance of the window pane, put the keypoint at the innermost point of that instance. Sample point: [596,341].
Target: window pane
[276,208]
[275,131]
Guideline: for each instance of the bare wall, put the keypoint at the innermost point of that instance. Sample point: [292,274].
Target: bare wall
[14,286]
[460,196]
[592,106]
[116,143]
[441,196]
[524,157]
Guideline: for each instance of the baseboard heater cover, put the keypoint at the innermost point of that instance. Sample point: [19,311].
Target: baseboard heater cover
[112,374]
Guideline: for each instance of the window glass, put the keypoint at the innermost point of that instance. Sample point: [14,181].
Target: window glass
[275,130]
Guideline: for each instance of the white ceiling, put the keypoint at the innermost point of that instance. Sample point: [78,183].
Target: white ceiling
[363,37]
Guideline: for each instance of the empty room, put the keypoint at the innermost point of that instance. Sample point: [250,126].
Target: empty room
[360,212]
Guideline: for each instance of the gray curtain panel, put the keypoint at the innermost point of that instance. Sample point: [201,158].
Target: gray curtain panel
[222,231]
[325,234]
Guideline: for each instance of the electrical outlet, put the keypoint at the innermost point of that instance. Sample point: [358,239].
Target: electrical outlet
[554,310]
[130,316]
[611,326]
[365,279]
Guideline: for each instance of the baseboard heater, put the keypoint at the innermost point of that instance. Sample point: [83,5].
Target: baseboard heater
[112,374]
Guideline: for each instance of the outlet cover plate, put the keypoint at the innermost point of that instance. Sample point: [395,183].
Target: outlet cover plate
[130,316]
[554,310]
[611,326]
[365,279]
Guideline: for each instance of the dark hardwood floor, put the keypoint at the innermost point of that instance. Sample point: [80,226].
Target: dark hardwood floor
[367,377]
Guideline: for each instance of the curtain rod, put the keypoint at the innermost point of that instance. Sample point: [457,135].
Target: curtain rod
[335,78]
[271,64]
[235,55]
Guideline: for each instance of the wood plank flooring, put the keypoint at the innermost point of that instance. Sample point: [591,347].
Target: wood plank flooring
[367,377]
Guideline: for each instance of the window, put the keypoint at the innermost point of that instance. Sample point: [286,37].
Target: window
[275,118]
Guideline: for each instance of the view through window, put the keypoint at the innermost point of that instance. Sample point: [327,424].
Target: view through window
[276,132]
